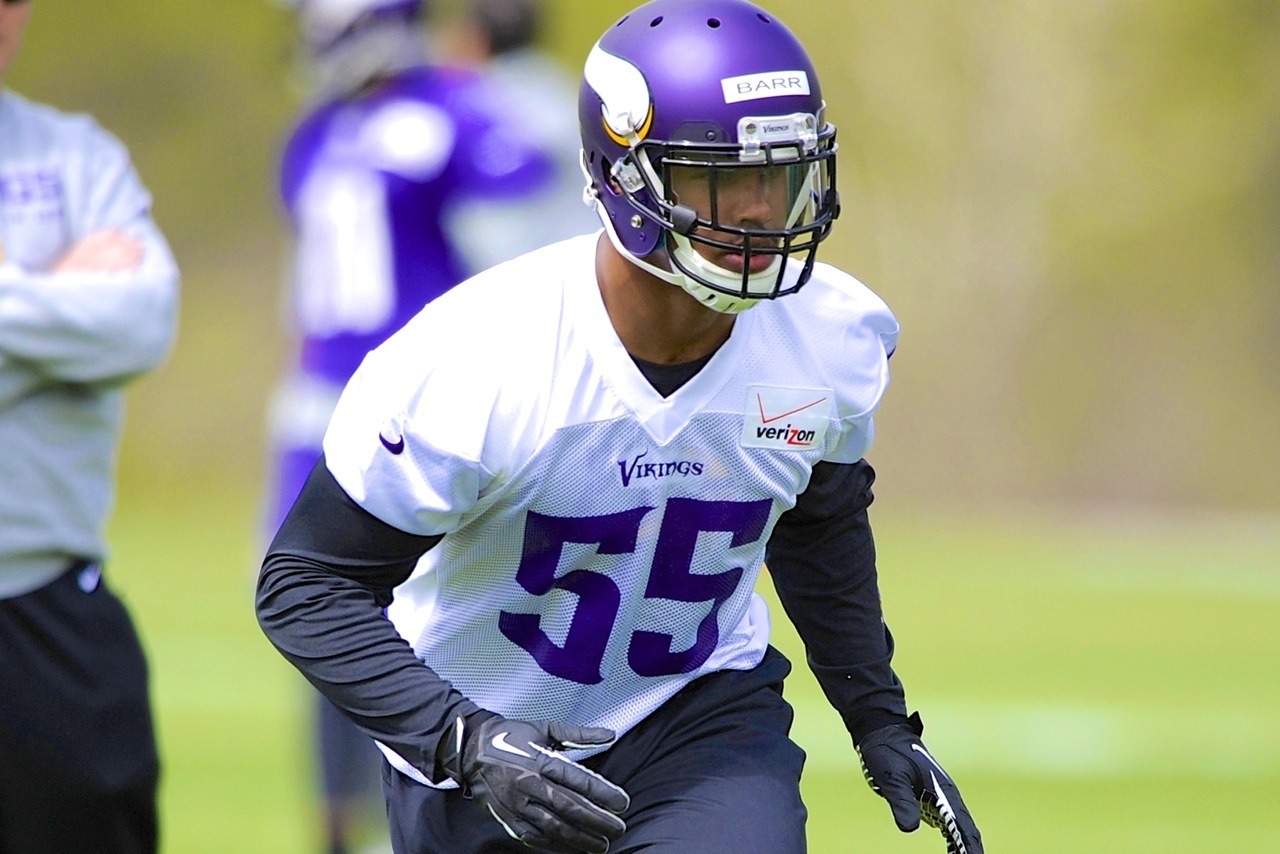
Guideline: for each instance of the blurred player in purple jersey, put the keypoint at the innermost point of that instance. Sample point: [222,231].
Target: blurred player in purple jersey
[389,147]
[526,563]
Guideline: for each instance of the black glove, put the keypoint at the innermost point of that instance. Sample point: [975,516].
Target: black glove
[901,771]
[537,794]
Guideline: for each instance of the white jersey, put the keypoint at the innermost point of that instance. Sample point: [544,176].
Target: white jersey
[602,543]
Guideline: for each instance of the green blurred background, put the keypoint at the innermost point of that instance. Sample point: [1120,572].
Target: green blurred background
[1073,209]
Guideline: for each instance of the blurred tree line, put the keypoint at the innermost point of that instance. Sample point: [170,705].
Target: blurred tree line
[1072,207]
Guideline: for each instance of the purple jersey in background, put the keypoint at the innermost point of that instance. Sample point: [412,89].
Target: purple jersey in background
[368,183]
[378,180]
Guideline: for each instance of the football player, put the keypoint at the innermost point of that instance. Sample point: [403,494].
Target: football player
[564,508]
[88,302]
[369,177]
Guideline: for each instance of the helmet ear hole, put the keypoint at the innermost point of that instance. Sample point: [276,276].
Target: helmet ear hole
[611,183]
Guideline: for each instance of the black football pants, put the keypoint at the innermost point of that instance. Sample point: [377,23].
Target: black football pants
[712,771]
[78,765]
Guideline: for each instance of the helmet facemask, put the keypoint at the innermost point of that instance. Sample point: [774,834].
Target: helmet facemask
[749,205]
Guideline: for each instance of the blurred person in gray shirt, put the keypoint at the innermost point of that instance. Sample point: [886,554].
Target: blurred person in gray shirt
[500,40]
[88,299]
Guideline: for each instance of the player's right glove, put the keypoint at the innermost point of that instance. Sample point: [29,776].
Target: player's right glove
[902,771]
[542,798]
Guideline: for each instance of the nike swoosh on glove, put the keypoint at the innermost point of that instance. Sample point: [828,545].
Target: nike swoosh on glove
[901,770]
[540,796]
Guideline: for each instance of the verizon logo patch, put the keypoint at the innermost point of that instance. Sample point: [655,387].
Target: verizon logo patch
[793,419]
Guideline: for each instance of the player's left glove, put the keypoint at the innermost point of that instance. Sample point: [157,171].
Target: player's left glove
[902,771]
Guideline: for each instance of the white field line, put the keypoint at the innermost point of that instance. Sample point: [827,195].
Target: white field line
[1216,582]
[1070,741]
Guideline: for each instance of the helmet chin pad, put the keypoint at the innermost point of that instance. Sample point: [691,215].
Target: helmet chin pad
[673,267]
[695,271]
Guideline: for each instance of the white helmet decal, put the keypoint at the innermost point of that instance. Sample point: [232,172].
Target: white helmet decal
[627,106]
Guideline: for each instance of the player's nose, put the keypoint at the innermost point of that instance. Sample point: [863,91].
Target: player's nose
[750,201]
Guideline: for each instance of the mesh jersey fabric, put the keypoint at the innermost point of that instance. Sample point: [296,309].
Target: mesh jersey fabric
[602,543]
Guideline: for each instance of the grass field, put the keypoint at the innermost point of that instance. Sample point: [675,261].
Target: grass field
[1104,686]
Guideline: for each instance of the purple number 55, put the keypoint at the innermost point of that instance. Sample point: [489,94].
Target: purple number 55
[671,577]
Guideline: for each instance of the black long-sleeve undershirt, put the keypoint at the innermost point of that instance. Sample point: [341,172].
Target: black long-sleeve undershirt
[822,559]
[326,577]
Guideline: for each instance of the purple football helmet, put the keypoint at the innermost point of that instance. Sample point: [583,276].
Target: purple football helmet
[710,96]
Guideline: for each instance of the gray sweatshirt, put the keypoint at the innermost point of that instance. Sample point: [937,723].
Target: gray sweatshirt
[68,342]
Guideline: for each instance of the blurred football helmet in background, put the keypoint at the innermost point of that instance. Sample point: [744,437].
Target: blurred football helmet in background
[720,97]
[352,43]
